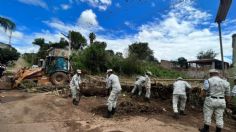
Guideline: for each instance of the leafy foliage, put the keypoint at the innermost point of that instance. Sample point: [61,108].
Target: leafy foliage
[7,24]
[209,54]
[119,54]
[7,55]
[96,59]
[141,51]
[132,65]
[43,47]
[93,58]
[161,72]
[114,61]
[92,37]
[43,50]
[182,62]
[78,41]
[31,58]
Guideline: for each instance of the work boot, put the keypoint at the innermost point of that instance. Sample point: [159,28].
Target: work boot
[176,115]
[113,111]
[218,129]
[147,100]
[182,113]
[132,95]
[75,102]
[109,114]
[205,128]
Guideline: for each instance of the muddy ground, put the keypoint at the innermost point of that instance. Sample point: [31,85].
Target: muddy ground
[45,112]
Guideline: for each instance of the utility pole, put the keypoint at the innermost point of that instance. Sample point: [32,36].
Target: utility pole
[221,49]
[69,54]
[221,15]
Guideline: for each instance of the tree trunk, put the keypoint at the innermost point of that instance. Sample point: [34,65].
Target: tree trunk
[10,37]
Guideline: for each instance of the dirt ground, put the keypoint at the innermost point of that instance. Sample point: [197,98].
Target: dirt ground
[45,112]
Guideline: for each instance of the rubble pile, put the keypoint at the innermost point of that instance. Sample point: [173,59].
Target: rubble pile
[96,86]
[131,107]
[5,82]
[127,107]
[93,86]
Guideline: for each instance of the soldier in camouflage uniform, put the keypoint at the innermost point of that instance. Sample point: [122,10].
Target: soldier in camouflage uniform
[216,90]
[74,86]
[179,95]
[112,83]
[143,81]
[233,94]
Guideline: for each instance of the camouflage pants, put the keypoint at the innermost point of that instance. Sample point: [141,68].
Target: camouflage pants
[176,99]
[216,106]
[74,92]
[112,99]
[148,92]
[139,87]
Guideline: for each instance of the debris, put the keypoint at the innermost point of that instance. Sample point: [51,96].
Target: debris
[164,109]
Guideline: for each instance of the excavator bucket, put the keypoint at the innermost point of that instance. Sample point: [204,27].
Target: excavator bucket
[26,73]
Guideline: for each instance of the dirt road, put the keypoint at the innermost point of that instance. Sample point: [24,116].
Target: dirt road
[44,112]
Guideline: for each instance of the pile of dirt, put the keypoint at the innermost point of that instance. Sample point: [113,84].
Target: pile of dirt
[127,107]
[91,86]
[161,91]
[94,86]
[5,82]
[131,106]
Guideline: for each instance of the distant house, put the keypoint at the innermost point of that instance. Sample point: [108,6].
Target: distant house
[167,64]
[207,64]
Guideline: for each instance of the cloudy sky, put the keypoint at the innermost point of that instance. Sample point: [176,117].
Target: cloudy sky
[173,28]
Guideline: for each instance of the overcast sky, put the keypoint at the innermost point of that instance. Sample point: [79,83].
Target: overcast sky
[173,28]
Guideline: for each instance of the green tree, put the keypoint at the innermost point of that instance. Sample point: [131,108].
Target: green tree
[110,52]
[209,54]
[3,23]
[141,51]
[182,62]
[119,54]
[61,44]
[7,24]
[114,61]
[132,65]
[31,58]
[7,55]
[43,47]
[94,58]
[92,37]
[78,41]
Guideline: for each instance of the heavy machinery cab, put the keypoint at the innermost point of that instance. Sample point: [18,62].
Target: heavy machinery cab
[57,69]
[54,69]
[54,64]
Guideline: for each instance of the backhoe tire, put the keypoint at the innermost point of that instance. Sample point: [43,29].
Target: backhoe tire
[59,78]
